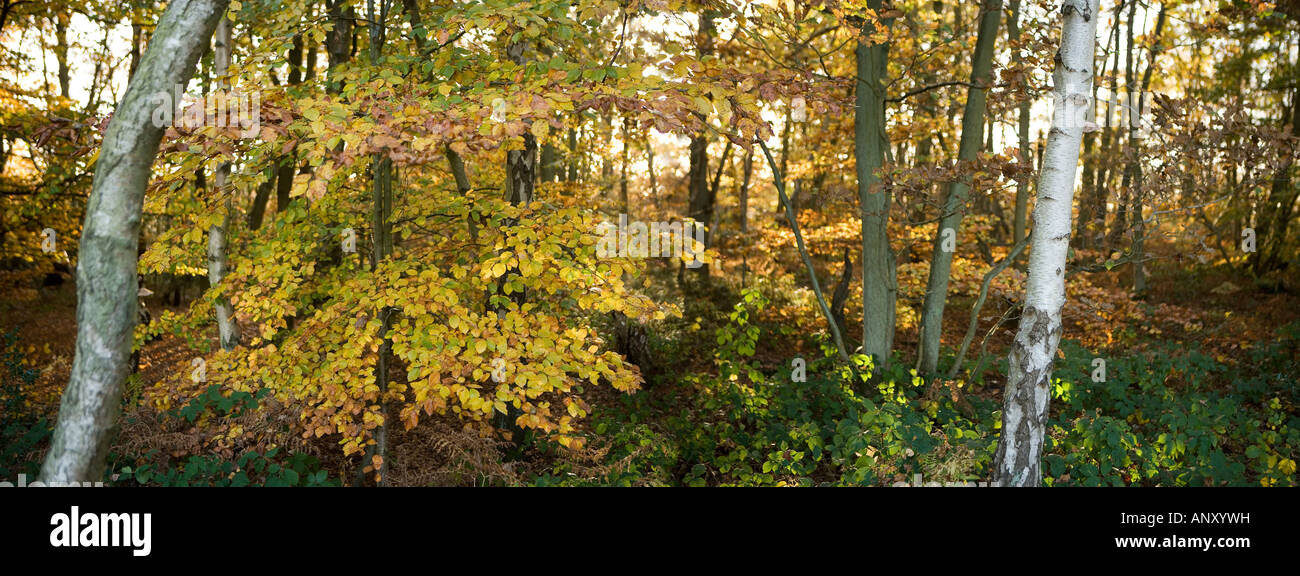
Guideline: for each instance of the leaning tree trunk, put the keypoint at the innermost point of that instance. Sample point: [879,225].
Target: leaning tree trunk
[106,274]
[870,140]
[227,329]
[972,127]
[1029,378]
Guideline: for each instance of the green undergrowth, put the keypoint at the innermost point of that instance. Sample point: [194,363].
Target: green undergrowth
[1170,416]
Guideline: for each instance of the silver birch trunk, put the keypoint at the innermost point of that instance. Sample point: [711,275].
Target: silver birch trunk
[1018,459]
[106,272]
[226,327]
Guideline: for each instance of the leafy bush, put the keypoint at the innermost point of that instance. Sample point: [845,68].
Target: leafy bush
[1175,416]
[742,427]
[1168,416]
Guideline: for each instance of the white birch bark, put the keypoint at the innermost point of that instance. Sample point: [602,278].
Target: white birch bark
[1029,378]
[106,271]
[217,262]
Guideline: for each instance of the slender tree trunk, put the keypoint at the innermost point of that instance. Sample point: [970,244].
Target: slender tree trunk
[571,161]
[227,328]
[622,171]
[936,293]
[870,141]
[382,239]
[257,212]
[1089,222]
[650,171]
[106,272]
[632,338]
[1022,131]
[1100,186]
[713,229]
[1120,228]
[1135,160]
[61,52]
[742,201]
[458,172]
[550,162]
[743,194]
[288,164]
[701,206]
[1018,459]
[309,61]
[785,156]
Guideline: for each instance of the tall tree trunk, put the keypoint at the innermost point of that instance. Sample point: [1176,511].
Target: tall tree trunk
[701,206]
[382,240]
[1022,131]
[622,171]
[106,272]
[650,171]
[458,172]
[742,208]
[869,143]
[701,200]
[1276,213]
[1099,192]
[227,328]
[550,161]
[137,33]
[936,293]
[1120,228]
[1135,159]
[713,229]
[338,42]
[785,155]
[1018,459]
[1089,222]
[288,164]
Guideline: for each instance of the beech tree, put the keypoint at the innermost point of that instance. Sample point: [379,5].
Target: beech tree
[954,205]
[870,141]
